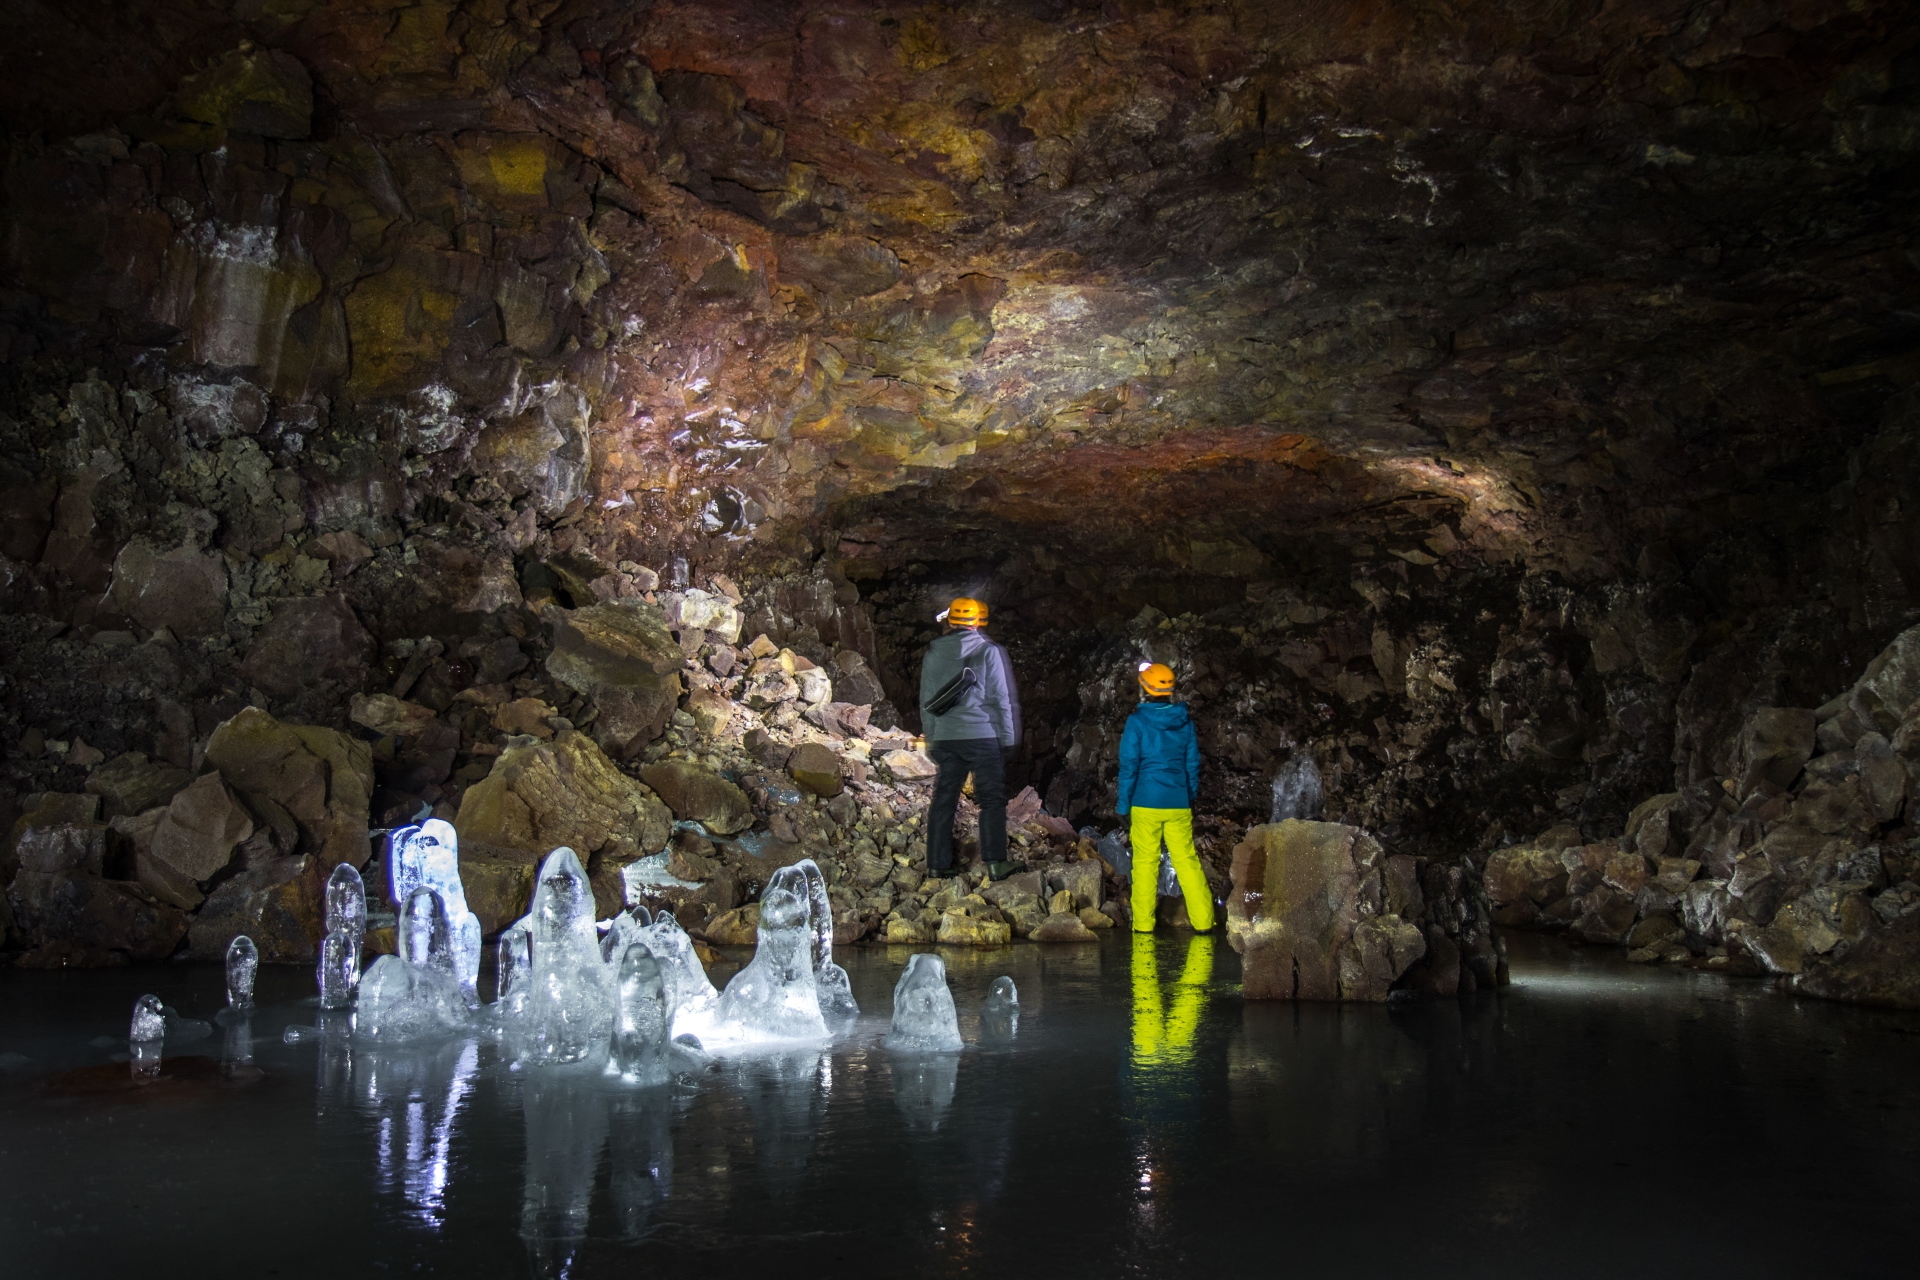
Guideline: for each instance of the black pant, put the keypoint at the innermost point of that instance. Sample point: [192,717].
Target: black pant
[957,758]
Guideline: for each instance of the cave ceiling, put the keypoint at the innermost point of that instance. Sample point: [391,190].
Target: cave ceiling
[911,281]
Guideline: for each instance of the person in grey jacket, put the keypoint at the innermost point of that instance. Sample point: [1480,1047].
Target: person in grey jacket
[977,735]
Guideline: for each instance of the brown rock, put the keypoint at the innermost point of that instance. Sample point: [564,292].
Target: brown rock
[622,656]
[909,765]
[156,877]
[79,910]
[201,827]
[1626,872]
[132,784]
[737,928]
[816,768]
[1774,746]
[1523,877]
[343,549]
[498,884]
[525,716]
[1881,969]
[1301,892]
[308,641]
[1606,915]
[961,930]
[321,778]
[281,906]
[183,590]
[565,792]
[387,715]
[1063,926]
[697,794]
[711,710]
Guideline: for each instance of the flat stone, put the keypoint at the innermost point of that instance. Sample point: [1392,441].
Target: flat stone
[131,784]
[697,794]
[387,715]
[816,768]
[201,826]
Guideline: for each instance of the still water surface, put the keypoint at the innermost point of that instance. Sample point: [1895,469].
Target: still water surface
[1594,1120]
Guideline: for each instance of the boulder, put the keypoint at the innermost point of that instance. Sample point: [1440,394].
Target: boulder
[197,835]
[543,795]
[1521,879]
[92,916]
[183,590]
[1774,746]
[131,784]
[525,716]
[816,768]
[622,656]
[1063,926]
[713,614]
[737,928]
[320,778]
[1301,893]
[712,711]
[1606,916]
[498,884]
[902,930]
[47,809]
[281,906]
[309,641]
[1081,882]
[958,929]
[1881,969]
[698,794]
[156,877]
[389,716]
[909,765]
[1890,685]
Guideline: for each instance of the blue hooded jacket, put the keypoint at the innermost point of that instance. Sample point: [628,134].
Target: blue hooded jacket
[1159,758]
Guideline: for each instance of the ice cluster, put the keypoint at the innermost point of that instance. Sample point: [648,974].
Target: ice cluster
[428,856]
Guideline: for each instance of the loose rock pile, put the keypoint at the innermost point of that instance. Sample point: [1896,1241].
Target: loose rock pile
[1804,865]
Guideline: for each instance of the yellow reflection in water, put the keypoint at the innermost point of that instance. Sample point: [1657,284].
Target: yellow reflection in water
[1164,1024]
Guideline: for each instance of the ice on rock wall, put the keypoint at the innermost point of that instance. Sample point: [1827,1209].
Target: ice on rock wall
[243,961]
[1297,790]
[403,1003]
[924,1020]
[429,856]
[691,998]
[836,992]
[639,1052]
[570,1008]
[775,996]
[338,971]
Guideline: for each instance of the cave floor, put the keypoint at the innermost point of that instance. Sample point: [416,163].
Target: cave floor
[1595,1119]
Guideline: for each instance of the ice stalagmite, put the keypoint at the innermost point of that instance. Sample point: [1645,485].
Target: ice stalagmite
[429,856]
[424,936]
[403,1003]
[1004,997]
[642,1022]
[243,961]
[1001,1017]
[338,972]
[836,993]
[145,1035]
[774,997]
[513,981]
[690,994]
[924,1020]
[570,1008]
[622,931]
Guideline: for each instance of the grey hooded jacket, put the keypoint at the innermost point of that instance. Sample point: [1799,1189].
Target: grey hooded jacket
[992,710]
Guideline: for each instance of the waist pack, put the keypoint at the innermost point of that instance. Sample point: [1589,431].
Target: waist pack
[948,695]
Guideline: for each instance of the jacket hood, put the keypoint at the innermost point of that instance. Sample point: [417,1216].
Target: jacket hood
[1164,715]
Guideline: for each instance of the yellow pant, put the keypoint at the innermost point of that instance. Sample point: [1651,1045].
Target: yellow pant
[1176,827]
[1162,1035]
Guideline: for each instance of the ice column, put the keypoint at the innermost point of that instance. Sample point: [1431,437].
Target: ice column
[924,1020]
[570,1008]
[622,932]
[836,993]
[1001,1017]
[429,856]
[641,1025]
[243,961]
[775,996]
[514,978]
[145,1036]
[424,937]
[690,994]
[339,967]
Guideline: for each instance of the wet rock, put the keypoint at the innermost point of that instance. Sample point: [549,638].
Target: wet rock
[1881,969]
[202,825]
[1063,926]
[901,929]
[183,590]
[280,905]
[131,784]
[623,657]
[816,768]
[958,929]
[565,792]
[308,641]
[1301,892]
[1774,746]
[697,794]
[322,780]
[385,714]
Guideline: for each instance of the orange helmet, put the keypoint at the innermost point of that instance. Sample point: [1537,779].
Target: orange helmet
[966,612]
[1156,678]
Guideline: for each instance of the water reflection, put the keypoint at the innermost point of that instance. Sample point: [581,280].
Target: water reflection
[1165,1022]
[642,1174]
[567,1126]
[415,1096]
[787,1095]
[923,1086]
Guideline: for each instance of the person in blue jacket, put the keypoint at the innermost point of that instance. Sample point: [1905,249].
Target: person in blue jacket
[1159,777]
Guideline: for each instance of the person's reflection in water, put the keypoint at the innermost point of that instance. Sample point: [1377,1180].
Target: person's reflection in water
[787,1094]
[416,1096]
[1160,1097]
[567,1126]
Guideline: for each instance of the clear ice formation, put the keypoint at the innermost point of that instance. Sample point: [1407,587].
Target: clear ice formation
[570,1008]
[775,997]
[924,1020]
[639,1052]
[403,1003]
[424,936]
[182,1030]
[690,993]
[836,993]
[1004,997]
[429,856]
[622,931]
[338,971]
[243,961]
[1297,792]
[514,979]
[1000,1019]
[149,1021]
